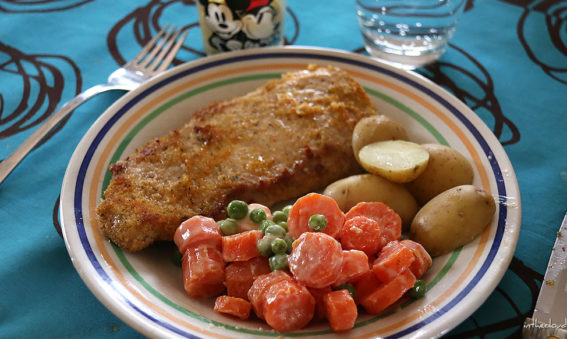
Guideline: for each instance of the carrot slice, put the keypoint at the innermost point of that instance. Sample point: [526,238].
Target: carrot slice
[389,220]
[363,234]
[237,307]
[387,294]
[318,294]
[367,284]
[288,306]
[354,267]
[316,259]
[256,293]
[310,204]
[242,246]
[392,260]
[341,310]
[197,231]
[240,275]
[203,272]
[422,258]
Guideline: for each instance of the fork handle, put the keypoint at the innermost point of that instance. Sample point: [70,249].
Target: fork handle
[8,164]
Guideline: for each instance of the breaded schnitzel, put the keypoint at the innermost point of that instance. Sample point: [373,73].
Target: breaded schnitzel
[288,137]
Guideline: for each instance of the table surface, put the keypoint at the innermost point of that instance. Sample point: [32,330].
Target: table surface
[507,62]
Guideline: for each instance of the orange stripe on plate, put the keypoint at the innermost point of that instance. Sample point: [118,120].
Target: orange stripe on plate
[100,169]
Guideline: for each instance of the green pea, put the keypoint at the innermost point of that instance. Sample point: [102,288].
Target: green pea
[349,287]
[278,216]
[286,210]
[257,215]
[283,224]
[237,209]
[317,222]
[418,290]
[278,262]
[228,226]
[279,246]
[265,224]
[276,230]
[265,246]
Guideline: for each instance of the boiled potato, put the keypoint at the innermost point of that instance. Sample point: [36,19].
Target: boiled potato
[446,168]
[399,161]
[452,219]
[376,128]
[368,187]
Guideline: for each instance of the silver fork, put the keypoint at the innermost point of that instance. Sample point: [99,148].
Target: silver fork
[153,59]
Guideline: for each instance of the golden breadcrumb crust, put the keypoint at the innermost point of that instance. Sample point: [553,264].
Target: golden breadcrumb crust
[288,137]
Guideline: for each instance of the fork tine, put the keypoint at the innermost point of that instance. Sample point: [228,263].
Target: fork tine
[164,50]
[172,53]
[157,48]
[149,45]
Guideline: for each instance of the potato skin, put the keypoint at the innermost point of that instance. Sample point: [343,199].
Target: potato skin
[376,128]
[349,191]
[452,219]
[446,168]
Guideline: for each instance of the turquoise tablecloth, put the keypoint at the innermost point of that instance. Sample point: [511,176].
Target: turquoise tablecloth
[507,61]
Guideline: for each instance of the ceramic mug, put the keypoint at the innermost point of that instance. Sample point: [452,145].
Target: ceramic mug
[229,25]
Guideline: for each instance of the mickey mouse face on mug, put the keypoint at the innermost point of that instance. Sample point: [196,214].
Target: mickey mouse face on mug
[260,25]
[220,18]
[259,19]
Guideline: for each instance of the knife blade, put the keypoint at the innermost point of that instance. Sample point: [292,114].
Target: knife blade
[550,315]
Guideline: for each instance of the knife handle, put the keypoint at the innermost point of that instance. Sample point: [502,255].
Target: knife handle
[534,329]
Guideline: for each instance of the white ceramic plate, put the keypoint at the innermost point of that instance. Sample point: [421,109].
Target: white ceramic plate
[145,289]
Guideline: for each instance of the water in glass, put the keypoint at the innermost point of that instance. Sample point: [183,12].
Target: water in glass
[408,33]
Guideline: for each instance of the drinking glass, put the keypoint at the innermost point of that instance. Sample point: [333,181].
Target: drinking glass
[408,33]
